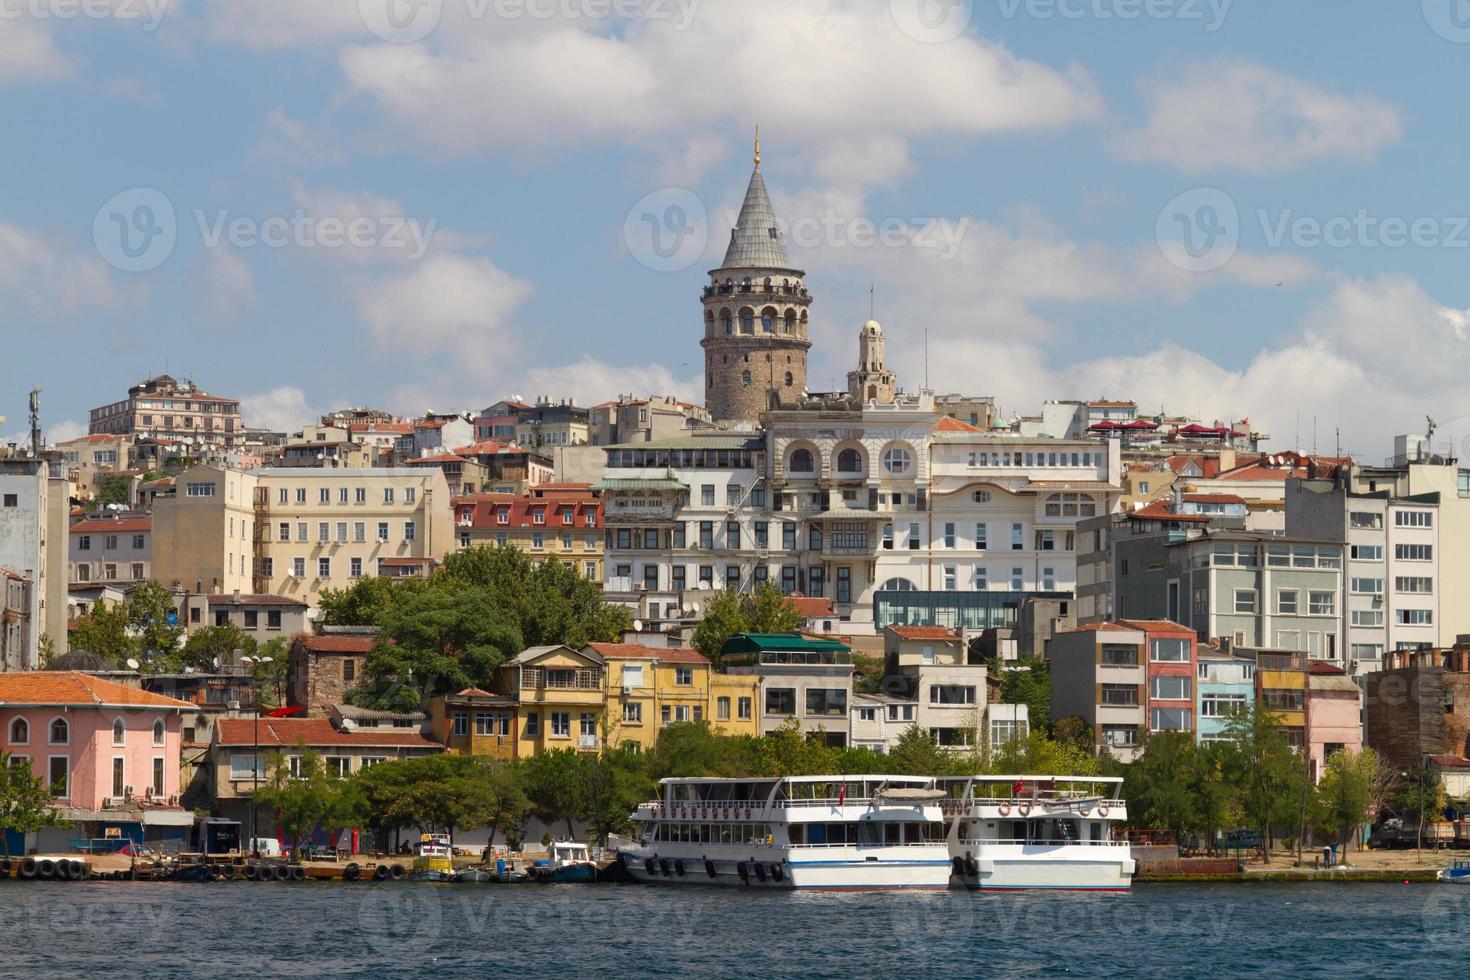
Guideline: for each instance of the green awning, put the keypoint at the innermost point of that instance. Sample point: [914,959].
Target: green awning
[665,484]
[762,642]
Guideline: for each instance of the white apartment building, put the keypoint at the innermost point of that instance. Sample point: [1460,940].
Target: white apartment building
[33,513]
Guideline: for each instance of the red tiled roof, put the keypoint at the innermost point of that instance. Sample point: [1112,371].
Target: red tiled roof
[406,561]
[638,651]
[253,600]
[104,525]
[314,732]
[431,424]
[338,643]
[1209,466]
[1322,667]
[440,458]
[1159,510]
[1213,498]
[1450,762]
[812,606]
[7,573]
[483,509]
[948,424]
[925,632]
[1156,625]
[72,687]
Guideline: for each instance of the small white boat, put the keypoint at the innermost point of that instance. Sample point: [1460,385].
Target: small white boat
[566,862]
[433,858]
[1457,873]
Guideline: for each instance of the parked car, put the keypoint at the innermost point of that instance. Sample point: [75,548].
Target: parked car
[265,846]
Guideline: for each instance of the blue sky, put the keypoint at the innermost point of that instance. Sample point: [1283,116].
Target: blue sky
[1022,154]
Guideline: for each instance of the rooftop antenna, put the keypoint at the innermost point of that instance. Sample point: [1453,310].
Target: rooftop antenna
[926,358]
[757,146]
[871,314]
[35,405]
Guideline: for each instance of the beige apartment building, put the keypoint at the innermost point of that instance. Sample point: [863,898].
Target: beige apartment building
[169,410]
[296,531]
[91,458]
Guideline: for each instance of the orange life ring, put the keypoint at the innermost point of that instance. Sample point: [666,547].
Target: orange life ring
[1023,809]
[1102,810]
[1005,809]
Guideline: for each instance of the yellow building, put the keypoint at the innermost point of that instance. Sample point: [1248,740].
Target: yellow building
[560,696]
[650,687]
[732,703]
[475,722]
[1281,688]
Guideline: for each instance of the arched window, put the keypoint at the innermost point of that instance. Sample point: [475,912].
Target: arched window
[768,321]
[789,379]
[849,461]
[745,378]
[897,460]
[801,462]
[790,321]
[747,321]
[898,585]
[158,731]
[727,322]
[60,732]
[20,732]
[981,496]
[119,732]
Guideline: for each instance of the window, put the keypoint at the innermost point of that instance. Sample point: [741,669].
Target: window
[1367,586]
[349,670]
[1322,603]
[199,489]
[58,775]
[84,542]
[298,567]
[950,578]
[1364,519]
[158,732]
[1018,579]
[1413,518]
[722,709]
[802,462]
[12,500]
[1170,651]
[1414,617]
[1170,689]
[337,766]
[387,495]
[60,732]
[1120,736]
[382,531]
[633,712]
[342,532]
[1245,600]
[684,676]
[119,777]
[1169,720]
[849,461]
[324,568]
[1120,695]
[533,725]
[780,701]
[1018,537]
[732,535]
[1413,552]
[745,708]
[951,694]
[158,775]
[324,495]
[323,532]
[897,460]
[20,732]
[1286,602]
[410,531]
[410,494]
[821,701]
[561,724]
[1221,705]
[913,541]
[1414,585]
[1048,580]
[1366,617]
[461,723]
[981,537]
[1366,552]
[949,535]
[982,583]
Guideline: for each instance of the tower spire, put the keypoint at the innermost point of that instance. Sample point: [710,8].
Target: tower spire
[757,144]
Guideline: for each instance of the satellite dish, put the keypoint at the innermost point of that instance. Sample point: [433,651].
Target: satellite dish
[188,670]
[637,626]
[132,664]
[689,608]
[705,584]
[216,663]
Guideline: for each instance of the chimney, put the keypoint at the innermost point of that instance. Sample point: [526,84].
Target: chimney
[1178,490]
[237,597]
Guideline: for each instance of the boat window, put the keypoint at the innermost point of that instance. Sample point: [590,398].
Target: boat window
[869,832]
[893,833]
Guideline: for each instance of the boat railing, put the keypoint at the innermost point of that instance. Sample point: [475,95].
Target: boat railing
[659,807]
[980,842]
[1051,804]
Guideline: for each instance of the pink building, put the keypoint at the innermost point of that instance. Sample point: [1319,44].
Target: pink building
[1334,718]
[109,751]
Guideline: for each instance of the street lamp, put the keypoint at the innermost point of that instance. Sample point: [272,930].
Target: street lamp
[255,663]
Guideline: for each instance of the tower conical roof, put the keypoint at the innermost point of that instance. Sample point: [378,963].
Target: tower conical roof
[756,241]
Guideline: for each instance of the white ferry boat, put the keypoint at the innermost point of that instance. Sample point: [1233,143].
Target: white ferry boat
[854,833]
[1013,832]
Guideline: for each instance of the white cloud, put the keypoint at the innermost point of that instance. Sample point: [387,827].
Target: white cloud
[1228,114]
[290,142]
[451,308]
[268,24]
[49,279]
[27,52]
[283,409]
[590,381]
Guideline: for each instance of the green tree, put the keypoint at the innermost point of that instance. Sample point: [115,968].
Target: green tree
[25,801]
[693,749]
[306,799]
[766,610]
[149,609]
[112,490]
[379,799]
[364,603]
[211,643]
[437,641]
[1159,784]
[1266,771]
[611,785]
[553,782]
[550,602]
[1028,682]
[1345,795]
[1043,756]
[917,754]
[104,632]
[508,805]
[788,751]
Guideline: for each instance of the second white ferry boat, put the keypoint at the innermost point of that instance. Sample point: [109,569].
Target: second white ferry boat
[852,833]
